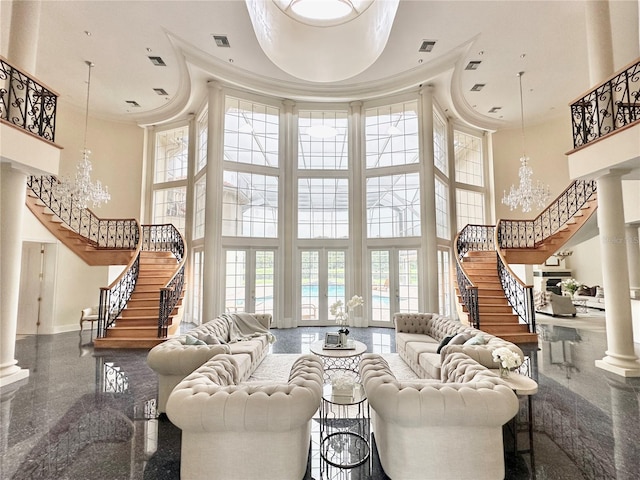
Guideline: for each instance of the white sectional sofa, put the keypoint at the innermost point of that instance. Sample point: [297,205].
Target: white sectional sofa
[245,336]
[445,428]
[252,431]
[418,336]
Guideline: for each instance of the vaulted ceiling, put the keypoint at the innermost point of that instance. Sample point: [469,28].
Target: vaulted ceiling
[545,39]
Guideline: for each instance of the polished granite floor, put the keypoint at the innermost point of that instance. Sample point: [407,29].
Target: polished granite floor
[85,414]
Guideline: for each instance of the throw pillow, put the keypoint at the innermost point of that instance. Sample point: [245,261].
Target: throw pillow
[191,340]
[460,338]
[444,342]
[599,292]
[584,290]
[477,340]
[210,339]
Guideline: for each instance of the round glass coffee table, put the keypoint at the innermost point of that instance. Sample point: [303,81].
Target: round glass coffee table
[340,359]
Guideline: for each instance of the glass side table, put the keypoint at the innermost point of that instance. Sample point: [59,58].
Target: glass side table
[344,427]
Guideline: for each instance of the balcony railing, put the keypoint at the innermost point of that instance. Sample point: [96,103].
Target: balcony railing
[607,108]
[26,103]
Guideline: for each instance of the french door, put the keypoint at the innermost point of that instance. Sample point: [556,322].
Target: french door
[322,283]
[250,280]
[394,284]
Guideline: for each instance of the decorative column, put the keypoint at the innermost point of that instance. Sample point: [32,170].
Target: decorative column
[428,191]
[212,291]
[620,355]
[12,198]
[288,304]
[632,241]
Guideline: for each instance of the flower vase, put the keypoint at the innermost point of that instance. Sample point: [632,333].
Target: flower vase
[504,372]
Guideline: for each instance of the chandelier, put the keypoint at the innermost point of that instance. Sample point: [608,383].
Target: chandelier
[83,191]
[527,194]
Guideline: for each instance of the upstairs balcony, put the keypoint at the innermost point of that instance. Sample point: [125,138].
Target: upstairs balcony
[606,126]
[27,121]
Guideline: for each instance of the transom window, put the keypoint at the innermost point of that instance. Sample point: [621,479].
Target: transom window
[393,206]
[323,208]
[249,205]
[391,135]
[171,155]
[322,140]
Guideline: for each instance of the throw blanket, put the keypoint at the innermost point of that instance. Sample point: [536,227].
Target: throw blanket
[244,326]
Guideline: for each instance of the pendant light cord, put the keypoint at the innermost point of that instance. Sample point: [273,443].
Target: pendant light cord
[86,111]
[524,151]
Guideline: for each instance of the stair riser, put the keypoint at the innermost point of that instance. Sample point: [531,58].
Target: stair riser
[139,311]
[500,330]
[116,332]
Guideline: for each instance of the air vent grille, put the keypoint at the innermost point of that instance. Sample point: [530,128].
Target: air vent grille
[133,103]
[473,65]
[427,46]
[157,61]
[477,87]
[160,91]
[495,109]
[222,41]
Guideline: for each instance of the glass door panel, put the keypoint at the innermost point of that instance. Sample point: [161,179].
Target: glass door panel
[408,295]
[263,292]
[380,274]
[246,292]
[323,282]
[394,284]
[310,293]
[235,281]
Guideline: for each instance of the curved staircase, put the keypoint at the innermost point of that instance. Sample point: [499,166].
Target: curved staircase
[490,295]
[143,306]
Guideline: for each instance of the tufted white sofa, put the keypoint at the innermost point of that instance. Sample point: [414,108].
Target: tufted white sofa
[450,428]
[418,336]
[235,431]
[172,360]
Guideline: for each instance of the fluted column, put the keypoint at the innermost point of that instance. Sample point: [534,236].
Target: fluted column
[633,257]
[620,356]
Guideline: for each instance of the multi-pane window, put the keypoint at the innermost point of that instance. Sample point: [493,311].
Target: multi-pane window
[171,155]
[202,141]
[264,281]
[323,208]
[391,135]
[440,145]
[250,133]
[310,288]
[199,207]
[196,287]
[322,140]
[442,209]
[393,206]
[235,281]
[169,206]
[468,159]
[250,205]
[444,282]
[469,208]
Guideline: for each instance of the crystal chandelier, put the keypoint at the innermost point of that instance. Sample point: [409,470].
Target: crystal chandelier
[83,191]
[527,194]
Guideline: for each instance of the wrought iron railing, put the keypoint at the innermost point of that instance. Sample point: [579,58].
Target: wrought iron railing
[611,106]
[167,238]
[100,233]
[26,103]
[472,237]
[531,233]
[519,295]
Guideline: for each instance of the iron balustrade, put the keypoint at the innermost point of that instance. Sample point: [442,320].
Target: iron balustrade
[167,238]
[100,233]
[612,105]
[114,298]
[531,233]
[26,103]
[476,238]
[519,295]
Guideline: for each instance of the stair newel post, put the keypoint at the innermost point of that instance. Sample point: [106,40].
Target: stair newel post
[102,310]
[531,311]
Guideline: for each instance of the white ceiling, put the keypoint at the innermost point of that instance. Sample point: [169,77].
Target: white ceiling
[551,35]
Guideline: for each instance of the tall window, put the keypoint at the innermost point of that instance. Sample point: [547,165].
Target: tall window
[393,206]
[322,140]
[250,205]
[391,134]
[323,208]
[442,209]
[470,186]
[170,177]
[440,145]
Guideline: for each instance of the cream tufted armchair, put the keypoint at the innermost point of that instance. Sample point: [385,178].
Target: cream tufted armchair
[89,314]
[449,428]
[236,431]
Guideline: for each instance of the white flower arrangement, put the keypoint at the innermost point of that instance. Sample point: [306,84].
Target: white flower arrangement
[506,358]
[570,285]
[341,312]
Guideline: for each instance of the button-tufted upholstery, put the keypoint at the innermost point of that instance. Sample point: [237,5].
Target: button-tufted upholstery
[172,360]
[418,336]
[430,429]
[245,431]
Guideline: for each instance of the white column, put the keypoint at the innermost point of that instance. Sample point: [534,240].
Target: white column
[213,291]
[599,40]
[288,252]
[620,357]
[429,240]
[23,38]
[12,199]
[633,256]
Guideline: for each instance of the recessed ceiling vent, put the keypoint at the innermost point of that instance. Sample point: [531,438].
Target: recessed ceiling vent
[160,91]
[477,87]
[473,65]
[133,103]
[222,40]
[427,46]
[494,109]
[157,61]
